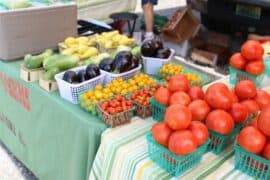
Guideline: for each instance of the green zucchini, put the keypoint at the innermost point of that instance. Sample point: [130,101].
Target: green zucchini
[60,61]
[49,75]
[34,62]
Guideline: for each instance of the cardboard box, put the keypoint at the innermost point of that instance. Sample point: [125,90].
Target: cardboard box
[182,26]
[32,30]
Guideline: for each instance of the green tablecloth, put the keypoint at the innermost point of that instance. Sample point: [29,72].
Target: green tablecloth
[52,137]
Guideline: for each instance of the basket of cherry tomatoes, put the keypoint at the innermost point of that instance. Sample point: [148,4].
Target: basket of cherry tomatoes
[116,111]
[141,100]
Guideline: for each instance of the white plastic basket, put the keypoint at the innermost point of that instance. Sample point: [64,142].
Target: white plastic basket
[71,92]
[152,65]
[109,77]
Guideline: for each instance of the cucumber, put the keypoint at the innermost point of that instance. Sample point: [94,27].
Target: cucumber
[49,75]
[34,62]
[62,62]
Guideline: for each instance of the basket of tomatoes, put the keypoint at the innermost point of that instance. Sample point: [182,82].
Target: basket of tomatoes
[116,111]
[248,64]
[177,150]
[252,149]
[141,100]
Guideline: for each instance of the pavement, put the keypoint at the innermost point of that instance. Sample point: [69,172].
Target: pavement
[10,167]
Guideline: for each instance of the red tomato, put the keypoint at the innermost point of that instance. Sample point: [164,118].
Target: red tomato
[182,142]
[239,113]
[255,67]
[177,117]
[245,89]
[266,151]
[233,97]
[195,92]
[178,83]
[264,121]
[161,133]
[162,95]
[251,139]
[254,122]
[237,61]
[218,96]
[199,110]
[200,131]
[220,121]
[180,97]
[252,106]
[262,98]
[252,50]
[219,85]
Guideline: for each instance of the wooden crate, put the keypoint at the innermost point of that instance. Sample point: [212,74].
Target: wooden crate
[30,75]
[49,86]
[204,57]
[182,26]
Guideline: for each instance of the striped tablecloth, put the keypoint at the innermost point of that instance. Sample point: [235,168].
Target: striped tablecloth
[123,156]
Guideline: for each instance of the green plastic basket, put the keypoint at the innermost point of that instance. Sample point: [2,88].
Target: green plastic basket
[237,75]
[173,164]
[251,164]
[157,110]
[221,142]
[267,66]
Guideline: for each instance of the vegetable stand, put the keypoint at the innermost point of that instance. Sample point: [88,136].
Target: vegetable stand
[126,157]
[52,137]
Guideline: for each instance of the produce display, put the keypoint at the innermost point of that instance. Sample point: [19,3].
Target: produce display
[250,59]
[116,111]
[190,119]
[90,72]
[155,49]
[113,39]
[82,47]
[89,99]
[223,111]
